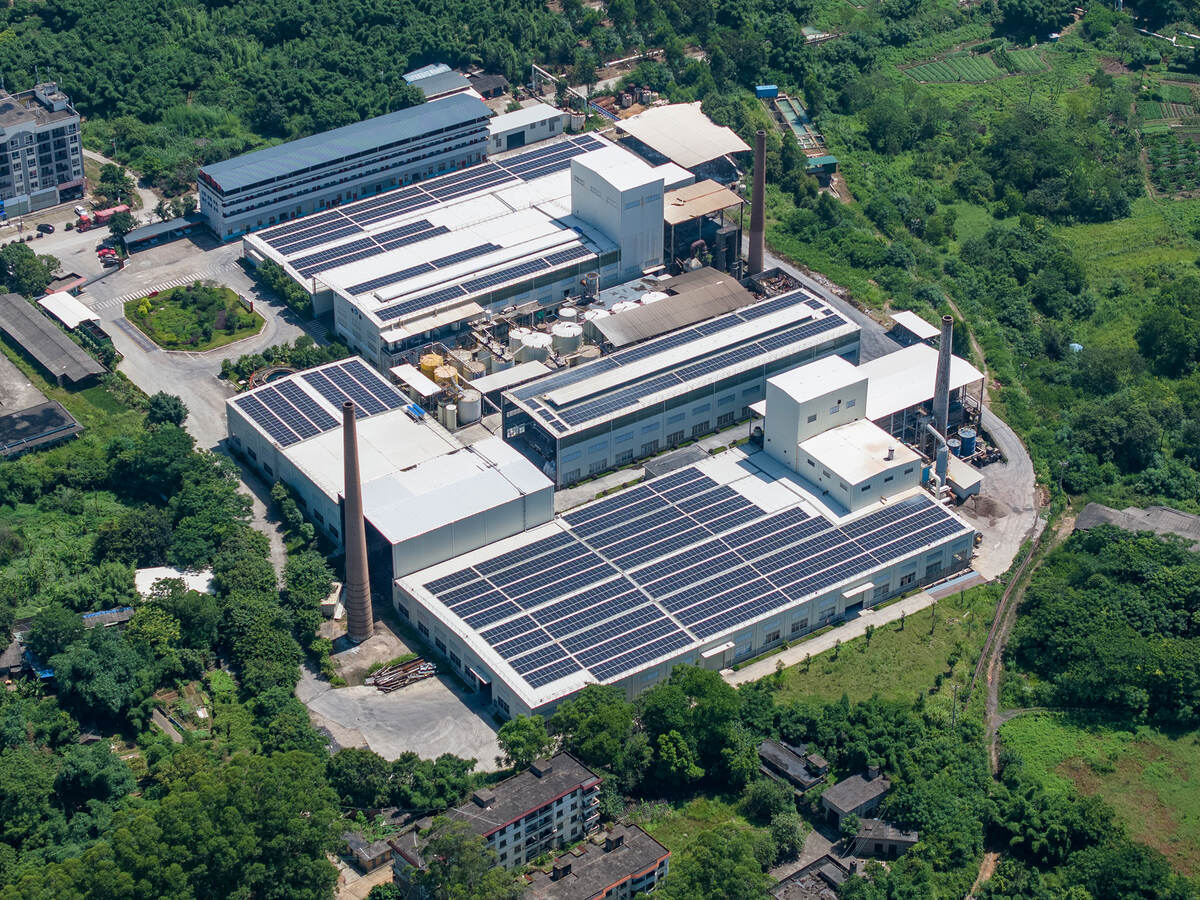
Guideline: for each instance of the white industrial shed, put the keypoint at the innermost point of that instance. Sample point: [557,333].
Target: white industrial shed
[426,496]
[707,565]
[529,125]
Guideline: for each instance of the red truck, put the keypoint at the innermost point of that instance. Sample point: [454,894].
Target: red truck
[100,217]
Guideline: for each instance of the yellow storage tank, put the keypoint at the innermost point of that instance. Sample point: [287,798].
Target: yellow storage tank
[430,363]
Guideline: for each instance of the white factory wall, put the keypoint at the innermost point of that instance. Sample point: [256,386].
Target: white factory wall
[549,125]
[788,624]
[789,422]
[456,538]
[274,465]
[903,476]
[631,218]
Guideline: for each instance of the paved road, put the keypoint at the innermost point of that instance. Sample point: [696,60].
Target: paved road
[149,198]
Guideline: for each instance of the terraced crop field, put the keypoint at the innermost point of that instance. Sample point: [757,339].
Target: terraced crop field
[957,68]
[1027,61]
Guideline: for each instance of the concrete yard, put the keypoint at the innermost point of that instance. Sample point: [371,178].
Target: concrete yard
[429,718]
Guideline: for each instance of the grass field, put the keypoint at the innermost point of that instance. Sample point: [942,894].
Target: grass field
[1151,779]
[1176,93]
[957,68]
[901,663]
[1024,61]
[193,317]
[677,825]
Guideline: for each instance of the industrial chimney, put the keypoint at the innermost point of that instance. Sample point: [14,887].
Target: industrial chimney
[941,386]
[360,619]
[758,208]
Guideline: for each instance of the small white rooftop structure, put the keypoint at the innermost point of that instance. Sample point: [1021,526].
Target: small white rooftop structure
[905,378]
[415,380]
[683,134]
[858,451]
[816,379]
[200,580]
[915,325]
[523,117]
[67,309]
[512,376]
[619,168]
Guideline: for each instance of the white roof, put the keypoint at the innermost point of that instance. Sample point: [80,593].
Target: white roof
[857,451]
[674,176]
[411,376]
[451,488]
[913,323]
[906,378]
[522,118]
[195,580]
[513,375]
[67,309]
[816,379]
[618,167]
[683,134]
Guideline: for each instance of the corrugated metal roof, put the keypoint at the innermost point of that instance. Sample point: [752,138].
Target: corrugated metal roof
[683,134]
[441,84]
[67,309]
[283,159]
[701,199]
[698,298]
[44,341]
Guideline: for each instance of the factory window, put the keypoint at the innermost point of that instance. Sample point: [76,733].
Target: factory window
[320,518]
[799,625]
[833,410]
[440,644]
[825,472]
[725,401]
[649,447]
[772,637]
[624,456]
[622,438]
[811,463]
[646,429]
[402,609]
[633,204]
[454,659]
[888,478]
[678,417]
[333,531]
[675,437]
[267,469]
[699,428]
[573,475]
[573,455]
[908,471]
[866,487]
[750,392]
[598,466]
[423,628]
[850,403]
[702,408]
[724,420]
[812,418]
[842,485]
[907,579]
[880,592]
[599,445]
[253,455]
[933,567]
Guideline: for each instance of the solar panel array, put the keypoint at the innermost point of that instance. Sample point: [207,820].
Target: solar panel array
[355,218]
[672,375]
[288,414]
[672,562]
[483,283]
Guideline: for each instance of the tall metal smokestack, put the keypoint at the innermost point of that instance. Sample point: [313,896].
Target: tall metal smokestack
[360,618]
[941,386]
[758,209]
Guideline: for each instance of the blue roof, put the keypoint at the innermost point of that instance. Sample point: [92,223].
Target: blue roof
[284,159]
[442,83]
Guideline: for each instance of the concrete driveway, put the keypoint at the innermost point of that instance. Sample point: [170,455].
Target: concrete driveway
[429,718]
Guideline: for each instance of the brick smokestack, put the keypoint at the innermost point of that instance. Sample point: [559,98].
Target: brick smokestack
[758,208]
[941,386]
[360,619]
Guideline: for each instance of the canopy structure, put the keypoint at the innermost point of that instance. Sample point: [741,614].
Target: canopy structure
[683,134]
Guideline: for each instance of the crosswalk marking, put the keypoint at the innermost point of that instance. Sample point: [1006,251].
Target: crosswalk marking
[166,285]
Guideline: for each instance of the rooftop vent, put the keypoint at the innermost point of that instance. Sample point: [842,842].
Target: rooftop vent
[484,798]
[613,841]
[872,772]
[561,870]
[541,767]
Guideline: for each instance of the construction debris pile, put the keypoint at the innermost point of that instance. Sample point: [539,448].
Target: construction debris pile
[391,678]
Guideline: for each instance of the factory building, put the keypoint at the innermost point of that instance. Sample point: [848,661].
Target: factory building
[416,265]
[659,393]
[41,157]
[708,565]
[426,496]
[530,125]
[301,177]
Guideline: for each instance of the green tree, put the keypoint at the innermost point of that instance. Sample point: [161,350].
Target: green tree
[153,630]
[120,224]
[25,272]
[387,891]
[522,740]
[53,630]
[721,865]
[788,831]
[460,865]
[360,777]
[163,407]
[848,827]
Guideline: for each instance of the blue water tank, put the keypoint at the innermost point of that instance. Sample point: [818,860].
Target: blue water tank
[766,91]
[966,434]
[955,446]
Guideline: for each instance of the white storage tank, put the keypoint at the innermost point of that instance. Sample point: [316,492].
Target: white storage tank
[535,347]
[470,407]
[622,306]
[450,416]
[568,314]
[653,297]
[566,337]
[516,337]
[589,328]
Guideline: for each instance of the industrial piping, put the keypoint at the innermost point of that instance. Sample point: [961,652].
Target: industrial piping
[941,386]
[758,208]
[942,457]
[360,618]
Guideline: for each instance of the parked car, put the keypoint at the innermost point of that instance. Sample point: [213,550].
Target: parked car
[106,251]
[110,261]
[46,228]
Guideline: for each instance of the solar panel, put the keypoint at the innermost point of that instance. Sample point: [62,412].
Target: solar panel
[317,236]
[397,243]
[373,382]
[423,302]
[384,280]
[297,227]
[267,420]
[553,672]
[330,392]
[494,614]
[463,255]
[403,231]
[354,390]
[453,580]
[287,413]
